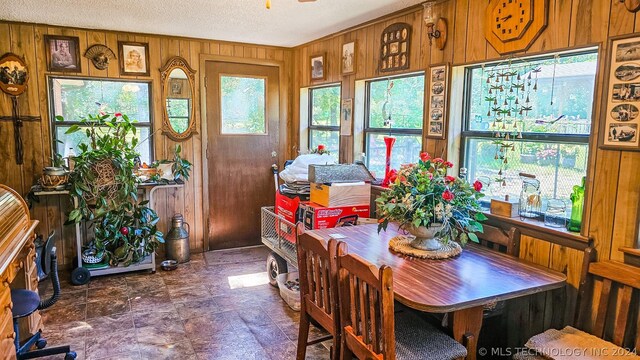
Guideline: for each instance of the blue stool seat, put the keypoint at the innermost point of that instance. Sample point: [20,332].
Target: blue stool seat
[25,302]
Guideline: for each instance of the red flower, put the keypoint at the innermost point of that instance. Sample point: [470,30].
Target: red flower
[438,160]
[321,147]
[477,185]
[448,164]
[424,156]
[393,175]
[118,114]
[447,195]
[124,230]
[449,179]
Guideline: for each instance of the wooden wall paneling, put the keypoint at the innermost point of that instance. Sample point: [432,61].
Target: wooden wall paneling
[589,21]
[10,172]
[238,51]
[23,43]
[476,42]
[628,198]
[111,41]
[226,49]
[556,34]
[193,202]
[459,31]
[568,261]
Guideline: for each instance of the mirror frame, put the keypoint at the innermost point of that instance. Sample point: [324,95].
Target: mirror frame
[173,63]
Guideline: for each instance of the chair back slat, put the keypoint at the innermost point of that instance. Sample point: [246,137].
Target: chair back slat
[603,307]
[613,287]
[624,296]
[507,241]
[367,293]
[318,280]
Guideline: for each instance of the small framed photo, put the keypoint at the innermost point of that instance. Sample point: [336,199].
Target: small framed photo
[621,121]
[134,58]
[317,63]
[346,117]
[62,53]
[349,58]
[438,90]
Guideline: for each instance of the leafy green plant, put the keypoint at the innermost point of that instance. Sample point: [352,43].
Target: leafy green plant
[422,194]
[106,189]
[58,161]
[180,167]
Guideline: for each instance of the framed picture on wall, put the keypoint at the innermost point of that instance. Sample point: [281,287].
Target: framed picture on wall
[62,53]
[134,58]
[621,119]
[346,117]
[349,58]
[437,100]
[317,63]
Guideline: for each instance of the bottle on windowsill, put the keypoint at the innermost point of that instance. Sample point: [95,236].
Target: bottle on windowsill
[577,205]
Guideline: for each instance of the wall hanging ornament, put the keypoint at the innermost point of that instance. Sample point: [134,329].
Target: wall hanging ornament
[100,56]
[394,47]
[631,5]
[14,75]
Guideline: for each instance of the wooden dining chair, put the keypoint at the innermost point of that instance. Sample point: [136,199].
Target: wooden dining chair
[607,314]
[505,241]
[318,291]
[371,329]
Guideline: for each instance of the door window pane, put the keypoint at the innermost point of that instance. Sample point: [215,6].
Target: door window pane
[243,102]
[405,150]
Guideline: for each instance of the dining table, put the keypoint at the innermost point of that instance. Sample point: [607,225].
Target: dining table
[460,286]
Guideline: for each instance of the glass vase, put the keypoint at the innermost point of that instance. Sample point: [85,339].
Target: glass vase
[388,142]
[577,205]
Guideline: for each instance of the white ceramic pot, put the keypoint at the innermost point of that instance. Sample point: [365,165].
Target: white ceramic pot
[425,237]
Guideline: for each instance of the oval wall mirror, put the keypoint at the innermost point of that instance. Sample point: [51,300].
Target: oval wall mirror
[177,78]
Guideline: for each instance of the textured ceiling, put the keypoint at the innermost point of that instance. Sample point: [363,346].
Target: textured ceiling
[287,23]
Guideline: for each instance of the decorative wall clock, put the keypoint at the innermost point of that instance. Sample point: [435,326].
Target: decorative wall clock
[513,25]
[394,47]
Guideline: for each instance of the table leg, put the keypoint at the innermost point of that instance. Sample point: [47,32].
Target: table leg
[466,328]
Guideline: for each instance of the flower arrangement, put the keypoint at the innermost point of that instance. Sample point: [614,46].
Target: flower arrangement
[321,149]
[422,194]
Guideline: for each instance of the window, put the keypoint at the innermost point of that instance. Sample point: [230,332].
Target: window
[324,118]
[243,108]
[554,134]
[404,104]
[74,98]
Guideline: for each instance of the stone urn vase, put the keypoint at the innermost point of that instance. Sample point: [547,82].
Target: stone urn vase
[425,237]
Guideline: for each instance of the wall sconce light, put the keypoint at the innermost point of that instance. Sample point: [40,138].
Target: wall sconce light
[436,29]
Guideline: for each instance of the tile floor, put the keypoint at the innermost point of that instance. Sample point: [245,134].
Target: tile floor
[190,313]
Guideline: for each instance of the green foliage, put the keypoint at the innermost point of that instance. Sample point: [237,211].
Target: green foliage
[407,102]
[180,167]
[58,161]
[111,205]
[421,194]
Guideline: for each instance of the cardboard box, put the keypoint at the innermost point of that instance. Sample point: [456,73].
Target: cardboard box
[507,208]
[341,194]
[316,216]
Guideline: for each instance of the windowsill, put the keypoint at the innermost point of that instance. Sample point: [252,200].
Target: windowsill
[537,229]
[532,228]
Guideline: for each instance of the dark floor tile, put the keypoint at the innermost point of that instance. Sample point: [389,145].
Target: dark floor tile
[235,256]
[151,300]
[62,314]
[191,309]
[269,335]
[109,323]
[163,345]
[108,307]
[107,281]
[107,293]
[255,316]
[161,321]
[190,293]
[112,344]
[284,351]
[68,297]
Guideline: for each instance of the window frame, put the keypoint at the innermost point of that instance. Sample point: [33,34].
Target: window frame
[54,123]
[311,127]
[549,138]
[367,129]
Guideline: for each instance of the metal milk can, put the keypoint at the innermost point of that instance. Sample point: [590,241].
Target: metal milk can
[177,240]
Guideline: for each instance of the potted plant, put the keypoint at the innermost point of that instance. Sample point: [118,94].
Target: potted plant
[104,183]
[433,206]
[568,155]
[55,176]
[178,169]
[546,156]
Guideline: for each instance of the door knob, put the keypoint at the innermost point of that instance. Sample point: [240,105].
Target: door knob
[274,154]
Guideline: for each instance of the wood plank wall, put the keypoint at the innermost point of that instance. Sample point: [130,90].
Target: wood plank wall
[26,40]
[614,176]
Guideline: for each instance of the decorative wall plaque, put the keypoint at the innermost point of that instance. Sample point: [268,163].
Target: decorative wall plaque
[394,47]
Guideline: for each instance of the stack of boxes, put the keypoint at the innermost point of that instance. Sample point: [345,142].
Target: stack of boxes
[330,204]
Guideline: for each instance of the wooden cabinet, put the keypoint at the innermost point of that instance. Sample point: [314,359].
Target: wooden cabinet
[17,266]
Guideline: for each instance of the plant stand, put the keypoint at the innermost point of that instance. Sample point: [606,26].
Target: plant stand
[83,273]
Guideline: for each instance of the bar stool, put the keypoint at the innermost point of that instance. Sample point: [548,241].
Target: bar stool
[26,302]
